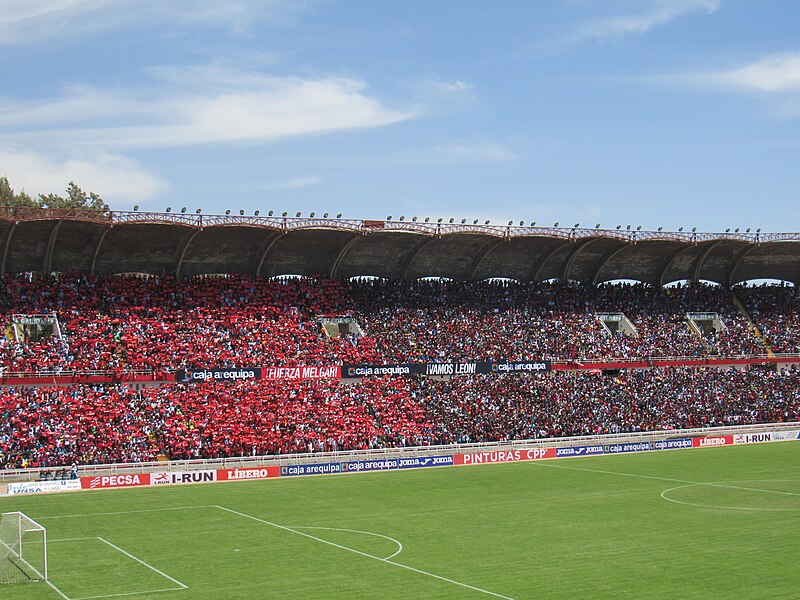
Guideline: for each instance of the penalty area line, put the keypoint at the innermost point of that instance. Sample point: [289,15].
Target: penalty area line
[365,554]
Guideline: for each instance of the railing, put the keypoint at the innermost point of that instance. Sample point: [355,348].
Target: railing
[424,227]
[406,452]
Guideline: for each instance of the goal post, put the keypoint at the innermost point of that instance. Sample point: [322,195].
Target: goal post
[23,549]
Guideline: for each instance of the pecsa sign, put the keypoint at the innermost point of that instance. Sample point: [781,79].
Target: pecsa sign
[115,481]
[501,456]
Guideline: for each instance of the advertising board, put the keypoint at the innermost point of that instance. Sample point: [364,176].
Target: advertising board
[579,451]
[631,447]
[500,456]
[712,440]
[115,481]
[248,473]
[182,477]
[310,469]
[43,487]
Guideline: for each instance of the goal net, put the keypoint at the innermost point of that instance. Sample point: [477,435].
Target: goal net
[23,549]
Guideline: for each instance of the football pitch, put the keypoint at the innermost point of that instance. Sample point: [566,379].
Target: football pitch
[719,522]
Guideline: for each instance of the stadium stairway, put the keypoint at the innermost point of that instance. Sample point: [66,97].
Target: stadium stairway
[753,327]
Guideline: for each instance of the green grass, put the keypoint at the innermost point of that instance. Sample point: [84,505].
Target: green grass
[568,528]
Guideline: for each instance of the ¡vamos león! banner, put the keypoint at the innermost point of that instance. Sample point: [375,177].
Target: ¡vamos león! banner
[446,368]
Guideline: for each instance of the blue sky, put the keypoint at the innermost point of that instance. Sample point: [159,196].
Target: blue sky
[653,112]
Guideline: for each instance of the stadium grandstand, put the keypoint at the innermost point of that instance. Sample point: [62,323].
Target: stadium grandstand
[133,336]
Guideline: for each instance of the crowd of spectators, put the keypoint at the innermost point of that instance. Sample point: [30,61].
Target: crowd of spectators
[164,324]
[160,323]
[776,309]
[58,426]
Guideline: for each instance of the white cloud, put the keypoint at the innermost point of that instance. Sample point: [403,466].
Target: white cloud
[773,74]
[653,14]
[115,178]
[197,106]
[36,21]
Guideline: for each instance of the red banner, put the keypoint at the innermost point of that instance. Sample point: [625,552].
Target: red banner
[115,481]
[248,473]
[712,440]
[504,456]
[302,372]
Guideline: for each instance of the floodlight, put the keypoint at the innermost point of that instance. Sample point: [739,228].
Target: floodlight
[577,225]
[487,222]
[427,219]
[325,215]
[285,213]
[298,214]
[183,210]
[475,222]
[227,212]
[312,215]
[463,221]
[555,224]
[597,226]
[269,214]
[414,219]
[339,216]
[402,217]
[169,209]
[198,211]
[258,212]
[135,207]
[747,230]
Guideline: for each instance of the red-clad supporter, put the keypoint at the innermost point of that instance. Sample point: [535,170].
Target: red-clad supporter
[47,427]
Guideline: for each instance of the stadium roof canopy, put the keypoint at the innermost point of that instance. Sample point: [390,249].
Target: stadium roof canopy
[185,245]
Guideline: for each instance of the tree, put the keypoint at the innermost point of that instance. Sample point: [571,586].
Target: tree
[9,198]
[76,198]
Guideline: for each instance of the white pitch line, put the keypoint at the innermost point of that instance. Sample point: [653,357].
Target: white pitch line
[686,481]
[745,508]
[386,537]
[58,591]
[128,512]
[140,561]
[359,552]
[129,594]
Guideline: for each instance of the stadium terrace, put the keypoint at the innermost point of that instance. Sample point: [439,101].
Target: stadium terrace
[516,338]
